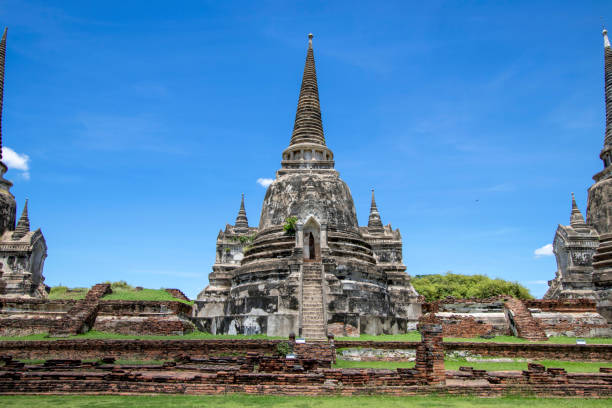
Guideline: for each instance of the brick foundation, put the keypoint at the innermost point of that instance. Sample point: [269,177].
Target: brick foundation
[282,377]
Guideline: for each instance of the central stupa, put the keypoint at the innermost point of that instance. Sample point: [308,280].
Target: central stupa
[308,268]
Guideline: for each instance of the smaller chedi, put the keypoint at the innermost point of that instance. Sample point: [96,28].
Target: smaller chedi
[22,252]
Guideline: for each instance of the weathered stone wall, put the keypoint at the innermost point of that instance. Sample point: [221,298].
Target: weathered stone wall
[599,207]
[562,305]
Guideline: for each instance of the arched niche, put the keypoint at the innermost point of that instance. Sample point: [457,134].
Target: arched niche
[311,239]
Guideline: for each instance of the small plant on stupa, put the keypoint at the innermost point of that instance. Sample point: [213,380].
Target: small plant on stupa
[290,225]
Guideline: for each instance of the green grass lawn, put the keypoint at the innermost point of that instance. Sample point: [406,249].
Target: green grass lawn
[93,334]
[143,294]
[246,401]
[63,292]
[121,291]
[570,366]
[412,336]
[416,336]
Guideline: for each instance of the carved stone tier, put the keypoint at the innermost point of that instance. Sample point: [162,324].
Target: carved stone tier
[602,276]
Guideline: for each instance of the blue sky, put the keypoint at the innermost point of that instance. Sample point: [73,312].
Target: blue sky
[143,122]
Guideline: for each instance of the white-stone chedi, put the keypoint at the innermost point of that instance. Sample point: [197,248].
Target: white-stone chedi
[584,249]
[22,252]
[309,268]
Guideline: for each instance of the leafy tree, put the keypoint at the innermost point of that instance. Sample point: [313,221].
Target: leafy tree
[438,286]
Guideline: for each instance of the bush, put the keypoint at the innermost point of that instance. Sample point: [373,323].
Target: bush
[290,225]
[438,286]
[284,348]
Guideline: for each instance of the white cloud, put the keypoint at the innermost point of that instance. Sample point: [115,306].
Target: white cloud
[264,182]
[537,282]
[546,250]
[14,160]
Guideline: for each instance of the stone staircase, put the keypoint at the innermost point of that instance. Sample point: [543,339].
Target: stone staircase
[81,317]
[313,317]
[523,322]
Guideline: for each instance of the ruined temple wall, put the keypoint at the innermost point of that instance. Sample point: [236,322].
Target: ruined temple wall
[25,316]
[586,324]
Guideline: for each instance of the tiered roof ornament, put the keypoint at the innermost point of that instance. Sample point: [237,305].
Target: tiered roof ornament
[374,222]
[576,218]
[307,149]
[23,225]
[242,223]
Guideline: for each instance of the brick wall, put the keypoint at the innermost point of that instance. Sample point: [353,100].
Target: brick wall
[139,307]
[464,326]
[562,305]
[177,294]
[234,375]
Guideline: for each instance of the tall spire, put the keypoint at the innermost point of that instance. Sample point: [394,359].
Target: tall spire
[576,218]
[242,223]
[374,221]
[2,58]
[23,225]
[608,87]
[308,127]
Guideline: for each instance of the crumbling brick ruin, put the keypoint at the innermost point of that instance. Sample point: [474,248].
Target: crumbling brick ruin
[529,319]
[60,318]
[256,367]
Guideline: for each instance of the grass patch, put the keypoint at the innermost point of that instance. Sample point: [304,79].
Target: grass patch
[410,336]
[121,291]
[243,401]
[570,366]
[64,292]
[143,294]
[93,334]
[551,340]
[416,336]
[389,365]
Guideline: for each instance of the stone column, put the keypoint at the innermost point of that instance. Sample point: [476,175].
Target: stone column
[430,353]
[299,236]
[323,235]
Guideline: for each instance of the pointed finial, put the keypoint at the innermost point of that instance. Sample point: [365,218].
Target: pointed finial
[242,223]
[606,39]
[23,225]
[576,218]
[2,59]
[374,221]
[310,40]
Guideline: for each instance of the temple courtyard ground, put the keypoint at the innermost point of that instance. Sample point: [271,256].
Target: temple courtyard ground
[245,401]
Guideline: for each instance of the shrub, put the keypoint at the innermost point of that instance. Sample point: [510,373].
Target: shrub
[283,348]
[439,286]
[290,225]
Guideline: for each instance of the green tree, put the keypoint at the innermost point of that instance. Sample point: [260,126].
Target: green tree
[438,286]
